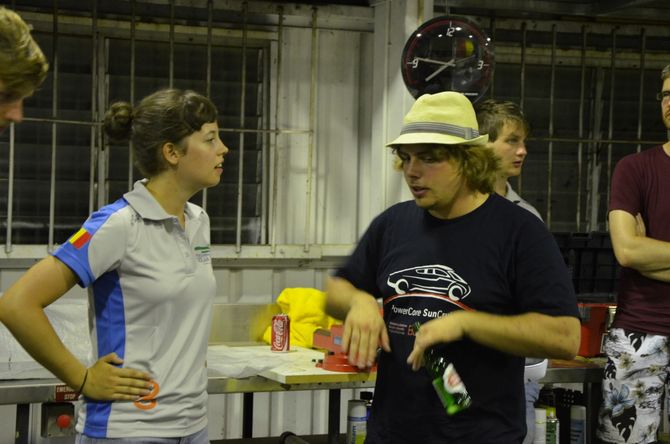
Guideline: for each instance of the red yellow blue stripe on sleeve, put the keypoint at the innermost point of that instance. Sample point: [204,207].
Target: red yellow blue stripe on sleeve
[80,238]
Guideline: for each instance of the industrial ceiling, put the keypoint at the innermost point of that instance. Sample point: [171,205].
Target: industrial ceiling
[605,10]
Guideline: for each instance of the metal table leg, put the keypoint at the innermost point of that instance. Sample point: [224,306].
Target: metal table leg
[22,423]
[247,415]
[593,398]
[333,416]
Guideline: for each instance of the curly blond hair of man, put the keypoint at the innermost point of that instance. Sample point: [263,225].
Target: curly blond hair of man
[23,66]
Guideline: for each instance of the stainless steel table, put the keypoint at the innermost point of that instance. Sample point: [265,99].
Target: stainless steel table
[590,376]
[33,391]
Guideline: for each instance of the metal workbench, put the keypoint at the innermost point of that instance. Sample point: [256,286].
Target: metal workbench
[31,391]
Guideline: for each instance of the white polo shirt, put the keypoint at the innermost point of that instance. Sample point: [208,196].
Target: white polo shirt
[514,197]
[151,288]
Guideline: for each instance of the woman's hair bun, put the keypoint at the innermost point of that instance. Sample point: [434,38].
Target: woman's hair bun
[118,122]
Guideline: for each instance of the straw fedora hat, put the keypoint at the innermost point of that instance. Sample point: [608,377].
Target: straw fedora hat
[445,118]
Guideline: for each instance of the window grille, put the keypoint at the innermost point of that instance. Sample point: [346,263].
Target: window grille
[61,168]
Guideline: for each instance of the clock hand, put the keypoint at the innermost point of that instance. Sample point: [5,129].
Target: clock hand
[436,72]
[439,62]
[465,59]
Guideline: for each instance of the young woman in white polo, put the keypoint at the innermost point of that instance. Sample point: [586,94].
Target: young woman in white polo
[145,261]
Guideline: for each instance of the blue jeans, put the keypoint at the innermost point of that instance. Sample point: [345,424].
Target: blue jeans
[200,437]
[532,390]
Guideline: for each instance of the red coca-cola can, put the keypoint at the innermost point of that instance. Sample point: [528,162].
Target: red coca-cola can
[281,333]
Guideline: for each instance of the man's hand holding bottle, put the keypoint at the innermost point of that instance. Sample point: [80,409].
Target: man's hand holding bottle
[445,329]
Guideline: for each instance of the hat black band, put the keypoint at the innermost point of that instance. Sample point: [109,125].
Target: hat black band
[440,128]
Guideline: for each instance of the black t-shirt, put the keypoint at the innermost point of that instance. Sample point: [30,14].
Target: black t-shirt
[498,259]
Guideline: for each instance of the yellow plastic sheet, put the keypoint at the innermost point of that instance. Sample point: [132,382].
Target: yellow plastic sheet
[306,310]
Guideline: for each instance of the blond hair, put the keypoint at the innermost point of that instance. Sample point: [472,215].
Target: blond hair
[23,66]
[492,115]
[665,74]
[478,164]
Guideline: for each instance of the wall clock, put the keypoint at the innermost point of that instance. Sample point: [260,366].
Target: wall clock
[448,54]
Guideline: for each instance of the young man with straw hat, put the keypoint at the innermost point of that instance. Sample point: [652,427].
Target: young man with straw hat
[23,66]
[483,277]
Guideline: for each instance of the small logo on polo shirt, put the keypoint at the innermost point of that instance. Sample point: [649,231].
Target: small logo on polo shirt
[202,254]
[80,238]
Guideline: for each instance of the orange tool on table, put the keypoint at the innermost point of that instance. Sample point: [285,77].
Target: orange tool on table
[334,358]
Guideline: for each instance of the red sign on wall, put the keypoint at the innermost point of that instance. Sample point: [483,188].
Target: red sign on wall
[65,394]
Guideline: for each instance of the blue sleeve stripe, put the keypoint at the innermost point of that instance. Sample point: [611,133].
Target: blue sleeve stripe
[77,258]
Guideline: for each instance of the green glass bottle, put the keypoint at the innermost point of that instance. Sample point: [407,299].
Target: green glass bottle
[448,385]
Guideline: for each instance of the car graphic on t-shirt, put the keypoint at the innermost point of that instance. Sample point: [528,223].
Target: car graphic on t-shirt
[436,279]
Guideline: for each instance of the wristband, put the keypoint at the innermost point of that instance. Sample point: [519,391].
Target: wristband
[84,382]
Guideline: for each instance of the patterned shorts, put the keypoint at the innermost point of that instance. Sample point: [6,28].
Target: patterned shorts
[633,386]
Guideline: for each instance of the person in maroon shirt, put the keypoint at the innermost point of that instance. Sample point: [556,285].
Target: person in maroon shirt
[637,345]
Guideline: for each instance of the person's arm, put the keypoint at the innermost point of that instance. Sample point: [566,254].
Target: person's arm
[364,328]
[651,257]
[528,334]
[659,275]
[22,312]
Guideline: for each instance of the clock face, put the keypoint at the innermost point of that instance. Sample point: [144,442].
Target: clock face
[448,54]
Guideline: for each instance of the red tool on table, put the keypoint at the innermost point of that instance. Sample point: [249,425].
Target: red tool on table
[334,359]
